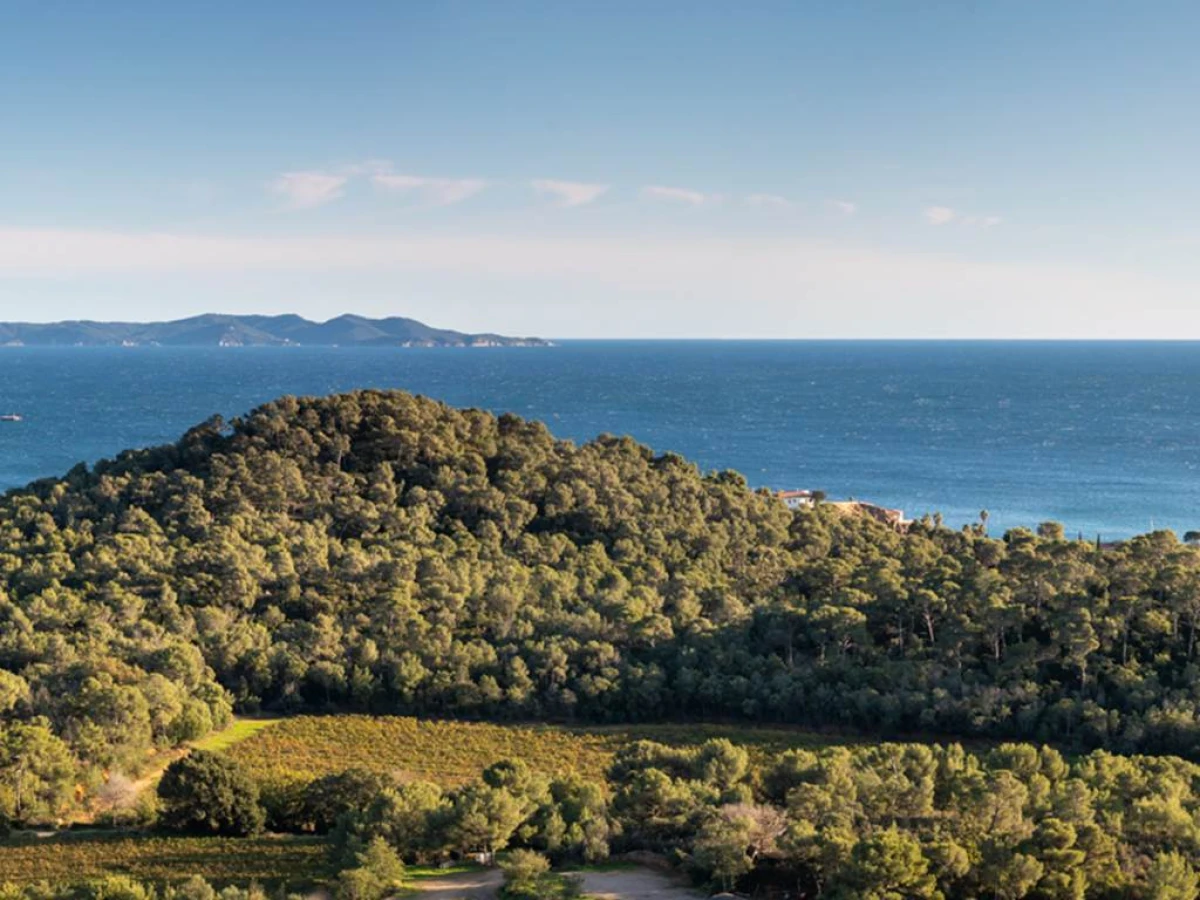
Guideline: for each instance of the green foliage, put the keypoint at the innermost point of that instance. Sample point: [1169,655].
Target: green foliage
[876,821]
[484,818]
[527,876]
[36,772]
[1171,877]
[886,865]
[379,872]
[411,817]
[381,552]
[326,799]
[509,805]
[910,820]
[720,849]
[209,793]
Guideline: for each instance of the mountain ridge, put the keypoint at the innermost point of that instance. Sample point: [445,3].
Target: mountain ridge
[228,330]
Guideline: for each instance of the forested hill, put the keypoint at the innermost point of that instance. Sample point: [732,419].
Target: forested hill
[378,551]
[213,330]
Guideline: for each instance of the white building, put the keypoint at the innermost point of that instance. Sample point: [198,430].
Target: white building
[796,499]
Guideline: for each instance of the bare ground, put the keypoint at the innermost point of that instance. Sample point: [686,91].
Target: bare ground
[480,885]
[618,884]
[637,884]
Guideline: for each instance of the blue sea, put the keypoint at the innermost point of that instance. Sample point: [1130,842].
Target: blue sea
[1103,437]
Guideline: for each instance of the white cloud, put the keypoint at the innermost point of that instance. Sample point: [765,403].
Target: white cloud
[769,201]
[435,191]
[569,193]
[677,195]
[845,207]
[305,190]
[982,221]
[313,188]
[367,167]
[940,215]
[944,215]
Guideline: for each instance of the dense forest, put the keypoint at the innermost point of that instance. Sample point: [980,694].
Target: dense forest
[885,821]
[872,822]
[382,552]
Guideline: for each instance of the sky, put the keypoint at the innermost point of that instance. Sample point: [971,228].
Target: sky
[935,168]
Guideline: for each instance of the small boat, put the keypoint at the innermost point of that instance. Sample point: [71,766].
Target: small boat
[10,417]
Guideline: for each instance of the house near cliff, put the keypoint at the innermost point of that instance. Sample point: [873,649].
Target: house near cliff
[893,518]
[796,499]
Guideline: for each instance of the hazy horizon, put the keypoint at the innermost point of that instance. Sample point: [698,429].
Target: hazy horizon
[634,338]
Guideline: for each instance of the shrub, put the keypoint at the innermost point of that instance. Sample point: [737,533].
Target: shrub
[209,793]
[527,876]
[327,798]
[379,872]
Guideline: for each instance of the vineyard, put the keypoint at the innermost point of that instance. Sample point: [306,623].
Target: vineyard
[238,731]
[75,857]
[451,753]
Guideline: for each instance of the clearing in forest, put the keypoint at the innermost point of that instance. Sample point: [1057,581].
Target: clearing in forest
[450,752]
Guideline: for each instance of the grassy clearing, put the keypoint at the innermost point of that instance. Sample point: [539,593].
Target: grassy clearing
[451,753]
[81,856]
[238,731]
[420,873]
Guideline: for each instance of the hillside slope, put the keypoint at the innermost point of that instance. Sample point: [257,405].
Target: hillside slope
[382,552]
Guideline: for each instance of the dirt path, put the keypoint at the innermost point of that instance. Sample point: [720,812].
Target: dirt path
[126,796]
[637,884]
[239,729]
[618,884]
[480,885]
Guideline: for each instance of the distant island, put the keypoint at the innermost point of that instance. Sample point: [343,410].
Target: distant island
[214,330]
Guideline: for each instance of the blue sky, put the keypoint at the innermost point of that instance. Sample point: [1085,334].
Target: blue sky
[920,169]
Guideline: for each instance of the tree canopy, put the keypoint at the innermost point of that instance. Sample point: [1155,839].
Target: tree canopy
[382,552]
[209,793]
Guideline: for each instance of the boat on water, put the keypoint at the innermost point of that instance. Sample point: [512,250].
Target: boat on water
[10,417]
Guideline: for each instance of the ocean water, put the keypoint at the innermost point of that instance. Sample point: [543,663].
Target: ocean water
[1103,437]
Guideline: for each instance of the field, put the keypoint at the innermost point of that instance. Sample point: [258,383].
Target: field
[237,732]
[79,856]
[450,753]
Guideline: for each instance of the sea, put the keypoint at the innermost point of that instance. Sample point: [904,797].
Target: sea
[1103,437]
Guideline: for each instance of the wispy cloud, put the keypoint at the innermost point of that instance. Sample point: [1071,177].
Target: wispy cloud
[434,191]
[569,193]
[317,187]
[312,188]
[367,167]
[767,201]
[305,190]
[940,215]
[944,215]
[677,195]
[845,207]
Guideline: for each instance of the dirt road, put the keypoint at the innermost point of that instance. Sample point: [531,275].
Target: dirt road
[618,884]
[480,885]
[637,884]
